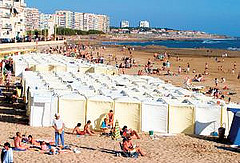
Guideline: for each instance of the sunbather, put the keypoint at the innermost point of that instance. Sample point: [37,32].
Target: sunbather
[32,141]
[128,146]
[48,148]
[87,129]
[131,132]
[18,142]
[77,130]
[105,126]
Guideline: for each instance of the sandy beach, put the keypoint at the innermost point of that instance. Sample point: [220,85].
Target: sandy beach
[197,58]
[178,148]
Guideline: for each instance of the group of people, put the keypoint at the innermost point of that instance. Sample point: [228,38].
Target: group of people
[107,129]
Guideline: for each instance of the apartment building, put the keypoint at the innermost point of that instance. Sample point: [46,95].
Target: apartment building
[32,19]
[12,18]
[47,21]
[78,20]
[65,19]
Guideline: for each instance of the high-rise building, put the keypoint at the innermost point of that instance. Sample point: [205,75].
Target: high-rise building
[78,20]
[124,24]
[47,21]
[103,23]
[96,22]
[12,18]
[65,19]
[32,19]
[144,24]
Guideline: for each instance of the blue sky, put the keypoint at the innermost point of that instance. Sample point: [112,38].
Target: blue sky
[213,16]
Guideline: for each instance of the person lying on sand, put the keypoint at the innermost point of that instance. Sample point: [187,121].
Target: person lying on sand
[32,141]
[128,146]
[45,148]
[77,130]
[87,129]
[18,142]
[131,132]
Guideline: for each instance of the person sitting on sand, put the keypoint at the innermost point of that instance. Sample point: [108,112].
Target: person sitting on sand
[17,142]
[105,127]
[125,131]
[110,117]
[87,129]
[128,146]
[77,130]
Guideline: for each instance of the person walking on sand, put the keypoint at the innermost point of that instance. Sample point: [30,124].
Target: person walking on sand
[216,81]
[188,67]
[179,70]
[206,66]
[58,125]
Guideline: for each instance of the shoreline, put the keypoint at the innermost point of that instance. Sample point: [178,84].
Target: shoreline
[129,42]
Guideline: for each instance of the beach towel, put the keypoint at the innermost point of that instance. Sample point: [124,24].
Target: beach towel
[18,149]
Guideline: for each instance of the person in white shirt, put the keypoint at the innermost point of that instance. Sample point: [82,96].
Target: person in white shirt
[58,125]
[7,154]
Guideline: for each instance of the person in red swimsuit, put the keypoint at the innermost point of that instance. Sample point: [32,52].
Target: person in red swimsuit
[77,130]
[110,118]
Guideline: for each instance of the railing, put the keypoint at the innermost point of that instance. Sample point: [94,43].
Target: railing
[7,27]
[6,16]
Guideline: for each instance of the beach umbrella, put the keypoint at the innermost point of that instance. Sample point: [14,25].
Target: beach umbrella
[116,133]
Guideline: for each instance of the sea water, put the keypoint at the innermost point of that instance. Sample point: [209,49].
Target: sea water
[227,44]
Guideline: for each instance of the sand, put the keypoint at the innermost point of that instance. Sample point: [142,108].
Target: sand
[195,57]
[178,148]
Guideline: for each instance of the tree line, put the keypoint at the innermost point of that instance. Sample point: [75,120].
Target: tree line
[63,31]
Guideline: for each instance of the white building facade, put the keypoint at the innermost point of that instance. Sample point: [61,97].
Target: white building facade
[65,19]
[12,19]
[124,24]
[47,22]
[144,24]
[32,19]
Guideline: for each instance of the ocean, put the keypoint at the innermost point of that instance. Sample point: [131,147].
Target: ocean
[228,44]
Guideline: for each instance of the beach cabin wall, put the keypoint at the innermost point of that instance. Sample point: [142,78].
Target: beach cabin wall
[207,119]
[72,108]
[181,119]
[40,108]
[97,108]
[154,117]
[128,112]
